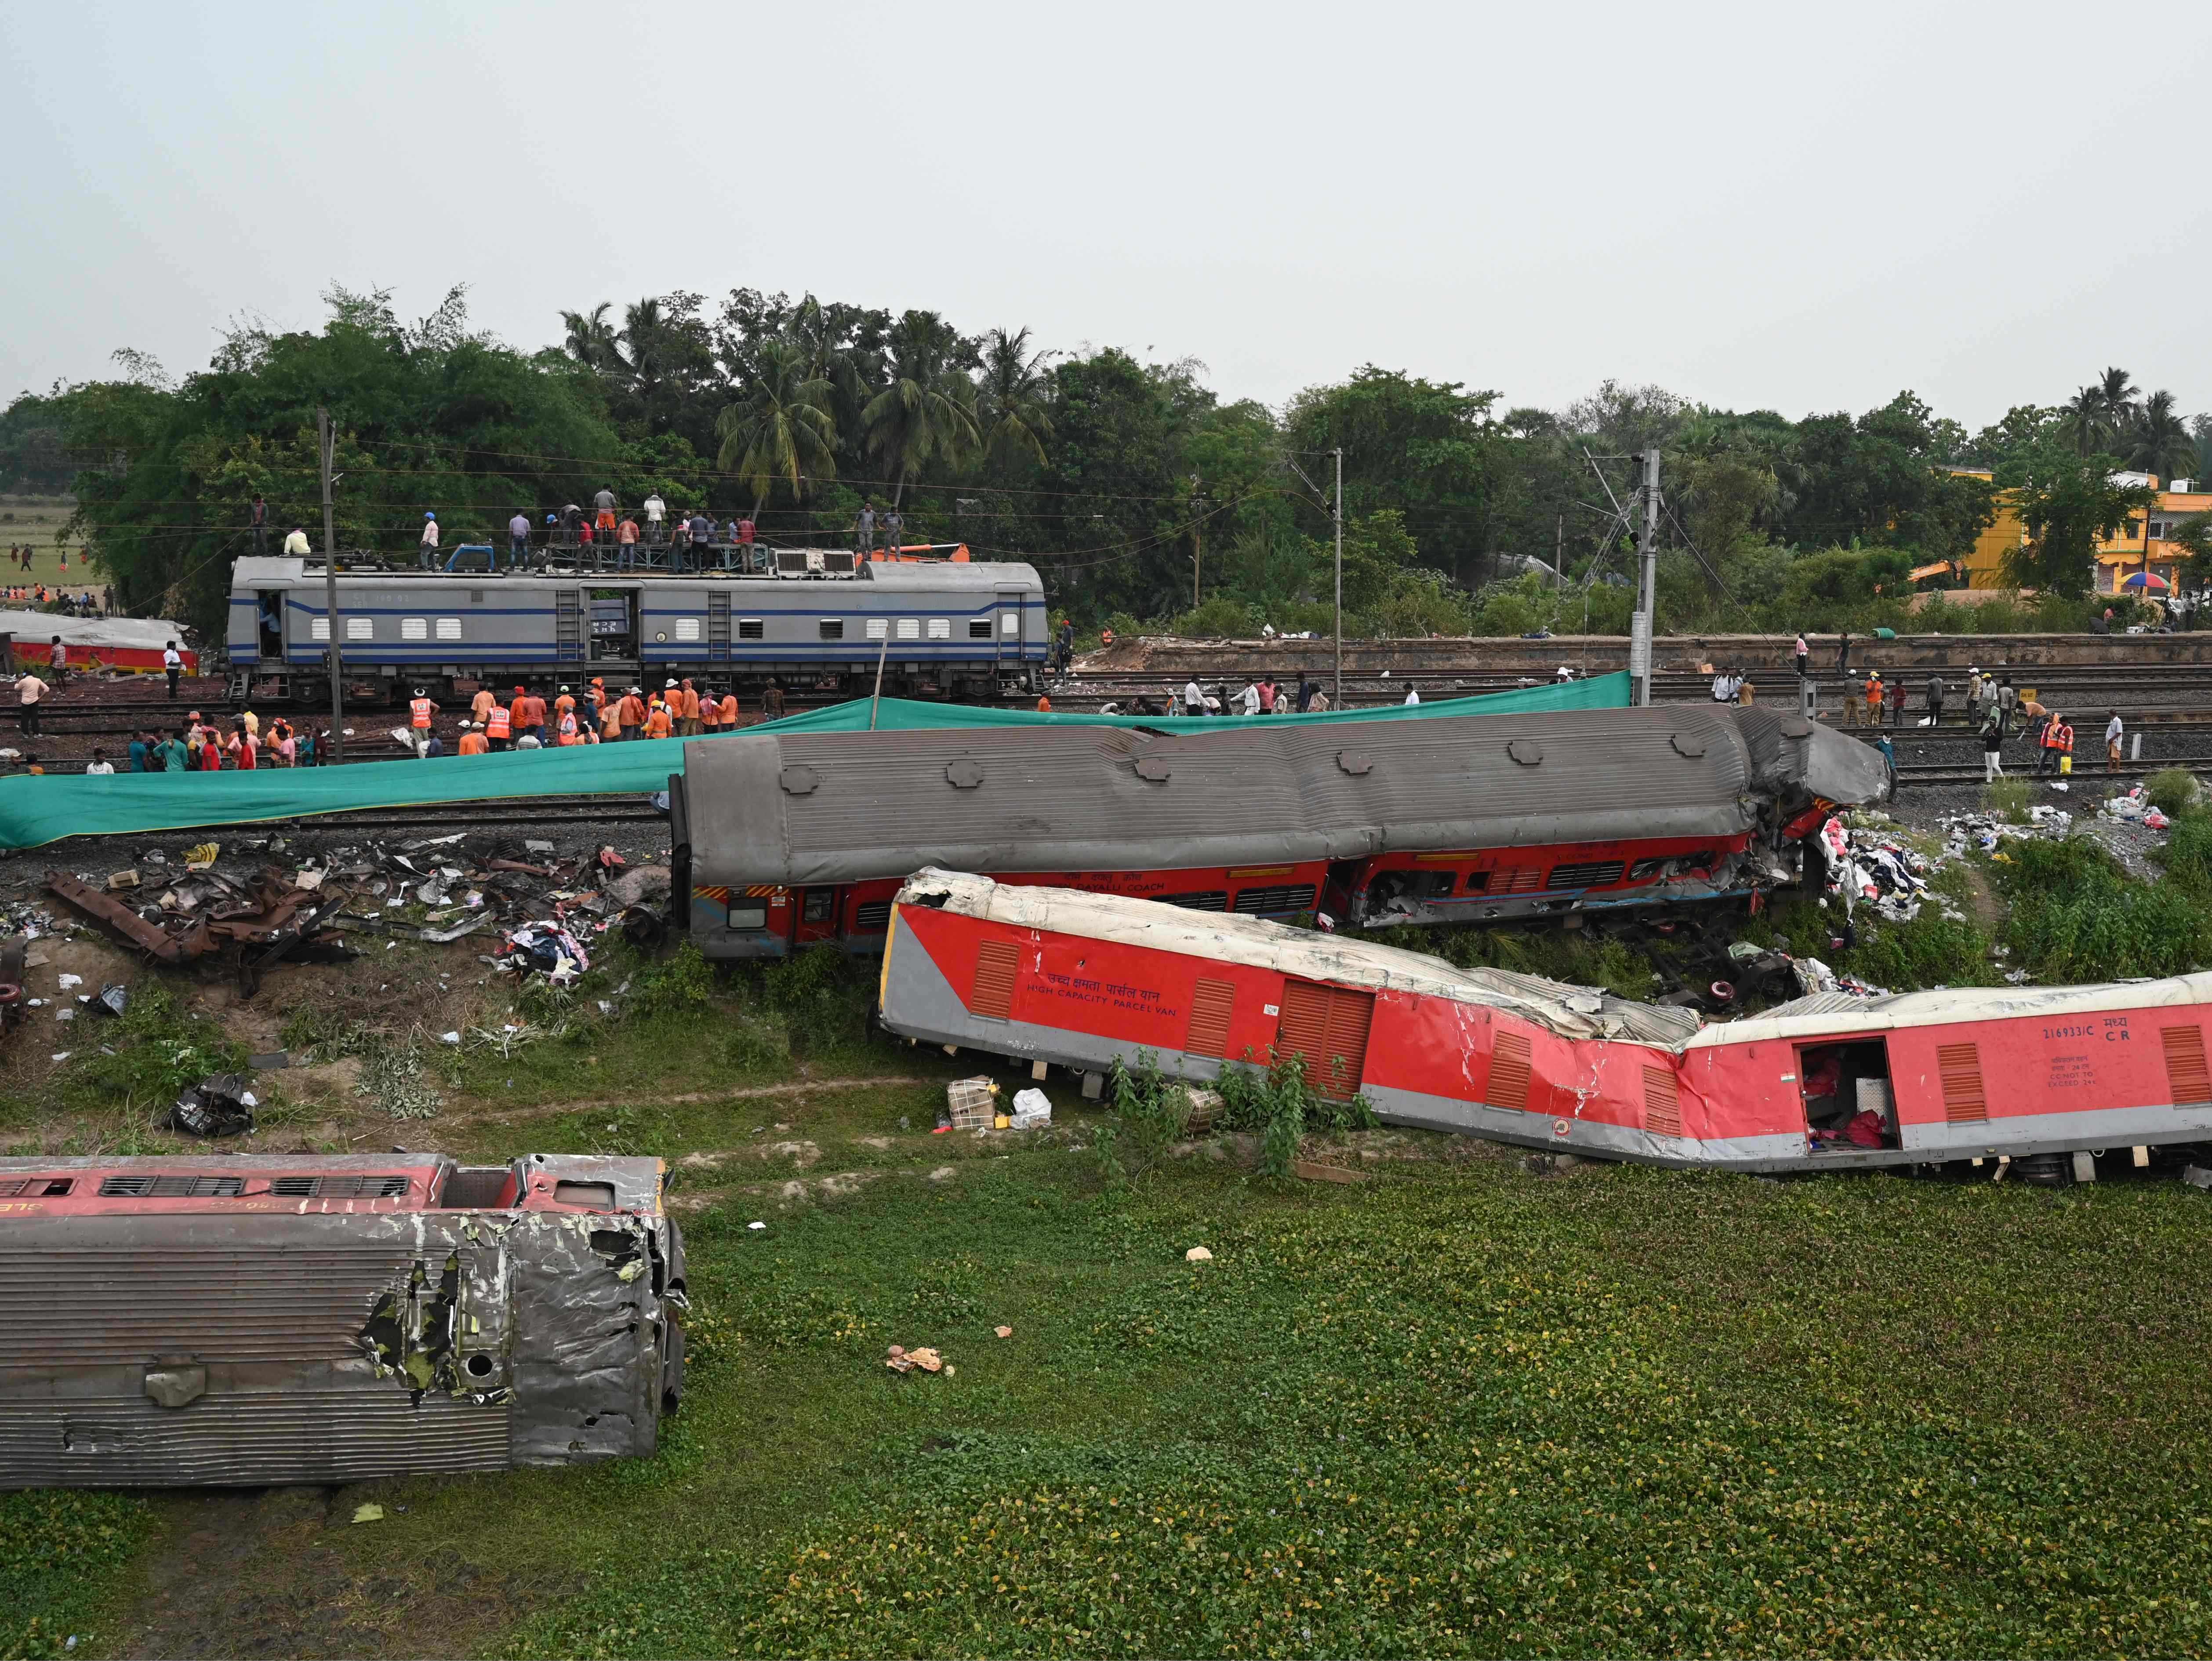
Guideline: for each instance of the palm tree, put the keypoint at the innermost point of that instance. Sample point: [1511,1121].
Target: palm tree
[2119,393]
[642,330]
[592,340]
[1014,398]
[926,409]
[2082,419]
[2160,442]
[781,429]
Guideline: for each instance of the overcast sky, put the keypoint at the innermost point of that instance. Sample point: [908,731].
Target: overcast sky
[1792,207]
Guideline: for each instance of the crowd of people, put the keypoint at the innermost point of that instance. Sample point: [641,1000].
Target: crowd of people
[526,720]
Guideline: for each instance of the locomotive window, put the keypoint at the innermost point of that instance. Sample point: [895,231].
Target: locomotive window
[979,628]
[940,627]
[821,905]
[361,627]
[909,629]
[414,629]
[449,628]
[318,629]
[748,914]
[749,629]
[687,628]
[877,628]
[833,628]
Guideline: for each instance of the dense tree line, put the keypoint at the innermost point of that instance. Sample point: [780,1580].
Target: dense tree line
[1139,492]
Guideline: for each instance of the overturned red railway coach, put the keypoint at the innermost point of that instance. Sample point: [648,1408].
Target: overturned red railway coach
[195,1318]
[1084,981]
[782,840]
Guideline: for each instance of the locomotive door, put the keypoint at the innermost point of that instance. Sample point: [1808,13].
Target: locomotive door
[613,625]
[1328,1025]
[814,915]
[1009,628]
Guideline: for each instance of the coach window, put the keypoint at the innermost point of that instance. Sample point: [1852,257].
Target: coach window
[749,914]
[877,628]
[414,629]
[940,627]
[449,628]
[318,629]
[821,905]
[361,628]
[687,628]
[979,628]
[751,628]
[833,628]
[909,629]
[1009,622]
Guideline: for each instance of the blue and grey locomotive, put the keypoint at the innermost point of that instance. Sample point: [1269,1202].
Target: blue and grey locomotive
[948,627]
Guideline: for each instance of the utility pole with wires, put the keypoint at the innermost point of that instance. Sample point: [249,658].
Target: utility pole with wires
[1336,513]
[1639,636]
[334,655]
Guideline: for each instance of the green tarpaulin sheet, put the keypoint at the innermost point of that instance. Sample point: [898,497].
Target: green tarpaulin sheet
[43,809]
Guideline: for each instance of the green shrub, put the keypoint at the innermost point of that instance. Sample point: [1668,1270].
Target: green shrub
[2075,916]
[681,984]
[1149,1112]
[2172,790]
[1279,1103]
[2187,854]
[763,1048]
[155,1053]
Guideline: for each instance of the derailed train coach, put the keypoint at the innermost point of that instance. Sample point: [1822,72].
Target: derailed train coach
[782,840]
[202,1319]
[2045,1078]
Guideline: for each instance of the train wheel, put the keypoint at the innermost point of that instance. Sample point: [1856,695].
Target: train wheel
[2045,1170]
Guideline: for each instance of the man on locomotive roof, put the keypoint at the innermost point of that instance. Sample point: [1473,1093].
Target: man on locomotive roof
[295,546]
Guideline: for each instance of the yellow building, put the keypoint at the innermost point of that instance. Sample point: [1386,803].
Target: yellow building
[2005,532]
[2144,544]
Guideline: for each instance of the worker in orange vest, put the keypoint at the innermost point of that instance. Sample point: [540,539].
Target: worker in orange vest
[658,722]
[565,727]
[498,726]
[420,712]
[564,705]
[473,742]
[689,713]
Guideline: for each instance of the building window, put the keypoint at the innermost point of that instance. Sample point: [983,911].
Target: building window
[414,629]
[449,628]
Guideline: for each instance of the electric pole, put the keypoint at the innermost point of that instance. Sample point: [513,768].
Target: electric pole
[1197,541]
[1639,637]
[1336,513]
[333,657]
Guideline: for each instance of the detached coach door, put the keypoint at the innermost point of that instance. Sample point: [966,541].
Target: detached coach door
[1328,1025]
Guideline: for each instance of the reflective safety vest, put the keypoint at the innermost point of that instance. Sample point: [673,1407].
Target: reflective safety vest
[497,727]
[568,728]
[423,708]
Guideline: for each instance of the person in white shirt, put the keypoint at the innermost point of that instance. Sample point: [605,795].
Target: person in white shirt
[429,542]
[1319,703]
[1194,699]
[172,664]
[1566,673]
[100,763]
[2113,728]
[1412,695]
[1722,692]
[1248,700]
[29,688]
[655,511]
[295,546]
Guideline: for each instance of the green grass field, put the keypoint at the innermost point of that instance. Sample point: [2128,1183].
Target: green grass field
[35,522]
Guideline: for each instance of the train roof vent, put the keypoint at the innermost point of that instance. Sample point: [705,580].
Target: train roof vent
[839,561]
[339,1188]
[795,562]
[17,1188]
[150,1186]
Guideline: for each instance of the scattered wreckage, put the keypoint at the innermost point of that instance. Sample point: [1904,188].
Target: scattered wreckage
[180,912]
[198,1319]
[2042,1078]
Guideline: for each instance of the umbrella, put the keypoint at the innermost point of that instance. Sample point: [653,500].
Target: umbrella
[2145,580]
